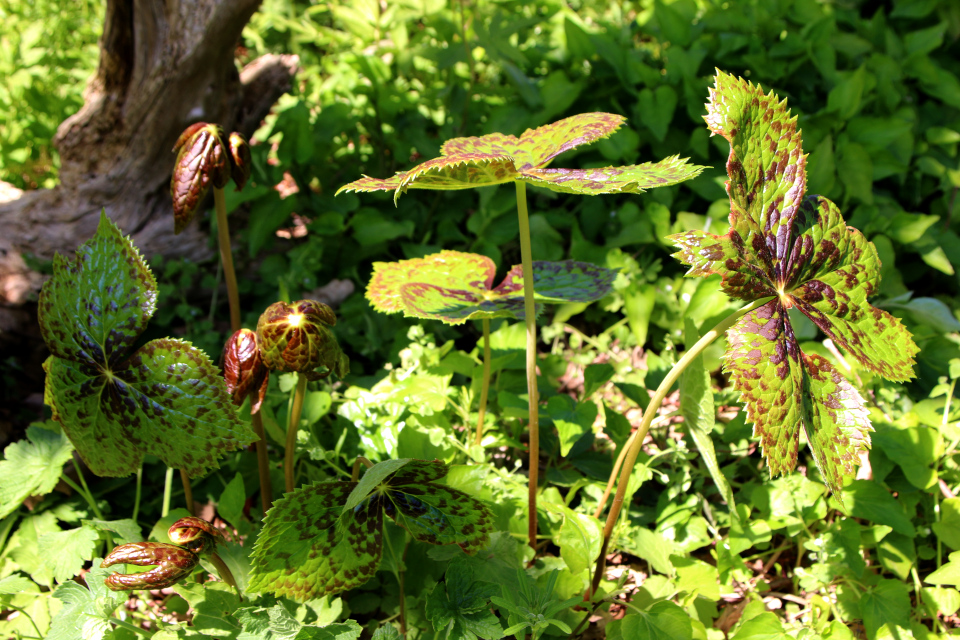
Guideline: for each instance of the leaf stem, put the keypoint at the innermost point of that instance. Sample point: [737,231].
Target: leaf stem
[84,491]
[263,462]
[526,258]
[485,384]
[226,257]
[225,574]
[355,476]
[631,457]
[616,469]
[167,490]
[292,427]
[131,627]
[187,491]
[136,498]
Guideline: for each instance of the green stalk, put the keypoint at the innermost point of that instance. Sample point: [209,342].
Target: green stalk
[485,384]
[526,258]
[167,490]
[225,574]
[187,492]
[136,498]
[83,491]
[631,457]
[263,462]
[226,257]
[131,627]
[292,425]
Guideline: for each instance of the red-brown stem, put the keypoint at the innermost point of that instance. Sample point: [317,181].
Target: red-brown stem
[526,258]
[226,257]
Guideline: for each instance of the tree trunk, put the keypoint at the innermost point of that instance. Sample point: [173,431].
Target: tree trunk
[164,64]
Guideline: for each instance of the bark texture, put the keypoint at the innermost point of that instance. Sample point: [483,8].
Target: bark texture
[164,64]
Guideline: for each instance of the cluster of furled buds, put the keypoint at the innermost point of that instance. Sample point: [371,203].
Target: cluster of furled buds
[174,562]
[203,160]
[289,337]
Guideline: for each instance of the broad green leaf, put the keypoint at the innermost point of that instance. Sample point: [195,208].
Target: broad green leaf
[231,502]
[652,547]
[327,537]
[279,623]
[869,500]
[897,554]
[572,419]
[459,608]
[496,158]
[697,576]
[86,612]
[453,286]
[578,539]
[386,632]
[948,573]
[65,552]
[125,530]
[32,467]
[800,252]
[594,377]
[214,608]
[166,399]
[941,600]
[886,603]
[663,621]
[696,405]
[766,626]
[656,109]
[948,528]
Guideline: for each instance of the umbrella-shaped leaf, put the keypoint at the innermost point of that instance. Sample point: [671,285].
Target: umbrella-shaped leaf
[166,398]
[496,158]
[327,537]
[454,287]
[799,251]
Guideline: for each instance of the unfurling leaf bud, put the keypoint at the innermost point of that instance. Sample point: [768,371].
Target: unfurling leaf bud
[173,564]
[297,337]
[195,534]
[202,162]
[243,369]
[240,164]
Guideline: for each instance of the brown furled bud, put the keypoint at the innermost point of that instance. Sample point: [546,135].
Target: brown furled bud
[195,534]
[297,337]
[240,163]
[173,564]
[201,163]
[243,369]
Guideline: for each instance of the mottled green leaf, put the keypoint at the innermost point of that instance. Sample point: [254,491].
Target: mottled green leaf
[32,467]
[95,306]
[280,623]
[799,251]
[785,389]
[327,537]
[453,286]
[496,158]
[167,398]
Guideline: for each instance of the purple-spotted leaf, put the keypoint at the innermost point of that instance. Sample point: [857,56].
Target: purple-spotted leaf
[454,287]
[497,158]
[327,537]
[166,398]
[797,250]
